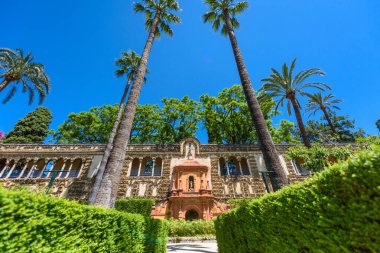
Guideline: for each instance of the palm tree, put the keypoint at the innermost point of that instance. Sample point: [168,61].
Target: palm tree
[128,66]
[324,103]
[19,68]
[158,15]
[284,86]
[222,15]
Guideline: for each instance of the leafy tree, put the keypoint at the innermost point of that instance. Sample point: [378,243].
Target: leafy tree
[158,14]
[146,125]
[93,126]
[227,118]
[324,103]
[19,68]
[179,119]
[286,133]
[346,130]
[222,15]
[34,128]
[378,124]
[284,86]
[127,66]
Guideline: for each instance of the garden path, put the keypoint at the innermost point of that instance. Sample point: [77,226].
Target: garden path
[192,247]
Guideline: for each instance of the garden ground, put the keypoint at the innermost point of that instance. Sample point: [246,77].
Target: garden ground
[210,247]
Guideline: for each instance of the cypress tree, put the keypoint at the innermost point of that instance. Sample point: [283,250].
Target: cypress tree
[32,129]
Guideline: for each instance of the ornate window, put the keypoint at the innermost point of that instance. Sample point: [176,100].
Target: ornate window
[223,167]
[37,169]
[135,167]
[18,169]
[49,167]
[75,168]
[157,167]
[245,167]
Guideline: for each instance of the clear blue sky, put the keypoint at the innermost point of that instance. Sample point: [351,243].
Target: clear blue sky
[78,41]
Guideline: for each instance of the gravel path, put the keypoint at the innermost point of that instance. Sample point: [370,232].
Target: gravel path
[192,248]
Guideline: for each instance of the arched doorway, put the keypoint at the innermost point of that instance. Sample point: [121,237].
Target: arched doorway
[191,215]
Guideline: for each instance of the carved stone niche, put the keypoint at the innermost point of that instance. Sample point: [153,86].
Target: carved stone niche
[190,147]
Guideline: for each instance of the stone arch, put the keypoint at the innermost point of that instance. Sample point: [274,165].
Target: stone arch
[193,210]
[135,165]
[48,167]
[245,167]
[147,166]
[223,168]
[38,168]
[75,168]
[16,172]
[186,141]
[233,166]
[158,167]
[28,169]
[66,167]
[8,168]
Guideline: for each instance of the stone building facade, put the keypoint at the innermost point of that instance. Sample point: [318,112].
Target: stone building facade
[188,180]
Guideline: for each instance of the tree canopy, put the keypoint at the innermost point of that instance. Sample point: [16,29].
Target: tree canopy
[32,129]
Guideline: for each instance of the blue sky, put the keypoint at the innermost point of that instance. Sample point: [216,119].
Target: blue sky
[78,42]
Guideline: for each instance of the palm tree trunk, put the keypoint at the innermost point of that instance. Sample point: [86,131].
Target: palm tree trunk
[329,120]
[270,155]
[100,172]
[301,126]
[4,84]
[110,182]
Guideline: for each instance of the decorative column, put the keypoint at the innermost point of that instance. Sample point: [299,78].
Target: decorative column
[32,168]
[10,172]
[239,163]
[154,166]
[5,168]
[227,166]
[140,165]
[24,168]
[70,167]
[43,168]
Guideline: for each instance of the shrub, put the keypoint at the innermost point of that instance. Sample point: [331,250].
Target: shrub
[30,223]
[234,203]
[135,205]
[318,157]
[156,235]
[338,210]
[181,228]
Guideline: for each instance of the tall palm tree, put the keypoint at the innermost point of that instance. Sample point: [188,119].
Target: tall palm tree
[158,14]
[128,66]
[19,68]
[284,86]
[222,15]
[324,103]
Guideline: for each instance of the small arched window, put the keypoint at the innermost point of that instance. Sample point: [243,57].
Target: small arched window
[135,167]
[48,168]
[37,170]
[7,169]
[75,168]
[157,167]
[18,169]
[223,167]
[245,167]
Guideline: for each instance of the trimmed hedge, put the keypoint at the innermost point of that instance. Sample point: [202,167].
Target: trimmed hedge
[30,223]
[135,205]
[156,235]
[181,228]
[338,210]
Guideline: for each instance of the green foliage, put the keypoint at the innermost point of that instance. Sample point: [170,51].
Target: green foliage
[179,119]
[156,235]
[318,131]
[227,118]
[20,69]
[318,157]
[338,210]
[176,120]
[93,126]
[135,205]
[286,133]
[181,228]
[368,141]
[34,128]
[30,223]
[234,203]
[378,124]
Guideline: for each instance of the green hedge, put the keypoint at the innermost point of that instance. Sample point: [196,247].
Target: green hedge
[156,235]
[338,210]
[31,223]
[135,205]
[181,228]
